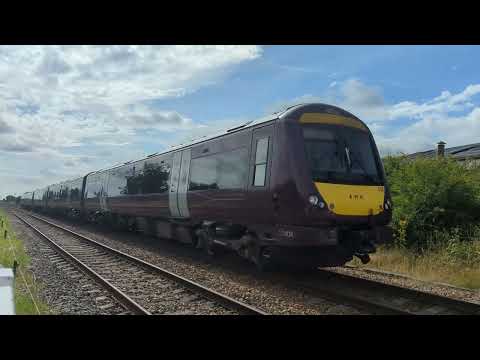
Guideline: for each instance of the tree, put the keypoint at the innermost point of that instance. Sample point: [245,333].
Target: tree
[431,199]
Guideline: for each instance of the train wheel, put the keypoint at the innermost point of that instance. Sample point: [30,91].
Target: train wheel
[262,260]
[206,242]
[195,240]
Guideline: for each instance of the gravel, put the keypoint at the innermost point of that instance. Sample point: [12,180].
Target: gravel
[229,274]
[157,294]
[63,288]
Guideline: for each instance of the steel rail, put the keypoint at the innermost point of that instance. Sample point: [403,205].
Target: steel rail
[119,295]
[210,294]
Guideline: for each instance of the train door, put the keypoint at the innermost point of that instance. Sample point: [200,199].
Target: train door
[179,184]
[103,186]
[174,177]
[82,195]
[183,185]
[260,159]
[45,197]
[259,175]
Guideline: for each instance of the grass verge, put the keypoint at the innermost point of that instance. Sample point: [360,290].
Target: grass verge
[457,264]
[27,300]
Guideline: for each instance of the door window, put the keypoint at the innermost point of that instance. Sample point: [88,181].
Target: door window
[261,158]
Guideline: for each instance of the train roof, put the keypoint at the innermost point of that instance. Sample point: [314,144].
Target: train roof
[172,148]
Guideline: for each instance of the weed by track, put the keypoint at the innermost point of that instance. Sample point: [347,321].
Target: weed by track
[27,289]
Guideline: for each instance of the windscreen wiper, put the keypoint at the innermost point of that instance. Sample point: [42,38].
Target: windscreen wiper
[350,157]
[347,152]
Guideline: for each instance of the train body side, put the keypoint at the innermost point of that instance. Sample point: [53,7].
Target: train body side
[256,179]
[150,187]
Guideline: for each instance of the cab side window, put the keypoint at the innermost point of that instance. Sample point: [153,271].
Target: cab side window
[261,159]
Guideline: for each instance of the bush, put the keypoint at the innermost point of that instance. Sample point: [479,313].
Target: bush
[392,164]
[435,201]
[463,253]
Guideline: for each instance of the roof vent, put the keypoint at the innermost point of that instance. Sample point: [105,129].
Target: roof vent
[239,127]
[287,108]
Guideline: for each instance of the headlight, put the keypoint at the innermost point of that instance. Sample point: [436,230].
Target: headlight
[312,199]
[315,201]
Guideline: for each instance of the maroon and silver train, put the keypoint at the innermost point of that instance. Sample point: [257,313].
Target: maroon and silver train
[304,186]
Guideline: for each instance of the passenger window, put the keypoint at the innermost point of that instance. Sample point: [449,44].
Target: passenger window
[261,158]
[227,170]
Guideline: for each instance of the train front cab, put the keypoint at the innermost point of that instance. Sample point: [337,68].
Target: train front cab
[331,198]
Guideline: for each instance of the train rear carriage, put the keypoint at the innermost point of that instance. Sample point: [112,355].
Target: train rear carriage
[39,199]
[26,200]
[140,188]
[136,193]
[57,195]
[73,190]
[93,192]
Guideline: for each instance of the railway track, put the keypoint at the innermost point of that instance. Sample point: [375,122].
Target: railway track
[373,296]
[381,298]
[140,287]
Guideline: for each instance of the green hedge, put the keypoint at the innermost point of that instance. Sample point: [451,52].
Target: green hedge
[435,201]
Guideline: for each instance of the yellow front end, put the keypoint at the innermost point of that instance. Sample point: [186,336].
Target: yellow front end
[353,200]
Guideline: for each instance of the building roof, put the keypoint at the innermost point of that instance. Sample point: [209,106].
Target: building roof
[471,151]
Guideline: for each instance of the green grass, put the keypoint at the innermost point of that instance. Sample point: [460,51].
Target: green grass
[457,264]
[26,288]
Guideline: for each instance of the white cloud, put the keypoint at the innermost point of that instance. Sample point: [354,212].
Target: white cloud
[406,126]
[55,99]
[445,103]
[352,95]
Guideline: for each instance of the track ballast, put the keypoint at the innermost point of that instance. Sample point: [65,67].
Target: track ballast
[140,287]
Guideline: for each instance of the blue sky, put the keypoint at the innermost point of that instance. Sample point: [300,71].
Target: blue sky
[66,110]
[285,72]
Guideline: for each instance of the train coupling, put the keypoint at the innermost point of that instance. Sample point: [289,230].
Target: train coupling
[364,258]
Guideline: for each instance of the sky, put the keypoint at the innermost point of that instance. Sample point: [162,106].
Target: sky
[68,110]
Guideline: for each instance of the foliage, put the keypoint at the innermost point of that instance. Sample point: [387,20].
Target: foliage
[392,164]
[455,263]
[435,201]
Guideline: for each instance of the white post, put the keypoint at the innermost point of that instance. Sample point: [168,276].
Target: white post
[7,286]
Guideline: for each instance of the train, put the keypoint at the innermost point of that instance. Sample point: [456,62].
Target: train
[304,186]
